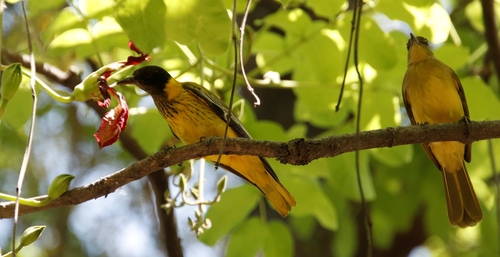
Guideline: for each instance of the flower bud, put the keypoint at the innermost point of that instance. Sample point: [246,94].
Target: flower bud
[30,235]
[11,79]
[59,186]
[221,185]
[88,88]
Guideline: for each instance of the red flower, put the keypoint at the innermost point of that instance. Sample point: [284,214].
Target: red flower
[114,121]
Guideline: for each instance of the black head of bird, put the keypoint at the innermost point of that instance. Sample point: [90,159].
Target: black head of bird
[151,79]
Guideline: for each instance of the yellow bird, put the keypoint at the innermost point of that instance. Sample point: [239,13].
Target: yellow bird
[433,94]
[194,112]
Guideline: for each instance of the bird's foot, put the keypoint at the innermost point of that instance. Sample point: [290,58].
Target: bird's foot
[466,120]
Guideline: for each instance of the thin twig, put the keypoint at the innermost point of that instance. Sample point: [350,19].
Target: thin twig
[358,7]
[346,66]
[242,65]
[27,152]
[233,86]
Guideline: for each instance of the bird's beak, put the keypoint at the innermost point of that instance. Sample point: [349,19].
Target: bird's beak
[127,80]
[412,39]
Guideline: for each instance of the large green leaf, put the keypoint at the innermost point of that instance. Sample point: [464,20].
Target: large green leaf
[270,49]
[327,9]
[344,178]
[205,22]
[233,208]
[105,35]
[311,200]
[248,239]
[65,20]
[150,129]
[278,241]
[143,21]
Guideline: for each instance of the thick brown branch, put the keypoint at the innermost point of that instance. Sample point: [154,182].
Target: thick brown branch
[297,152]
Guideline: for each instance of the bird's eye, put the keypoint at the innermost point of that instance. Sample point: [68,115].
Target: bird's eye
[423,41]
[408,45]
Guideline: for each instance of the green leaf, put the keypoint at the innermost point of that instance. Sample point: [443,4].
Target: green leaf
[454,56]
[344,176]
[386,113]
[311,200]
[36,7]
[65,20]
[299,130]
[234,207]
[205,22]
[372,37]
[151,123]
[247,240]
[318,57]
[394,156]
[70,39]
[143,21]
[483,102]
[327,9]
[96,9]
[316,105]
[345,240]
[295,22]
[303,226]
[106,35]
[269,48]
[278,240]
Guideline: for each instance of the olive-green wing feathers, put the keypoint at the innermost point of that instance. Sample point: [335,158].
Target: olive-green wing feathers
[218,107]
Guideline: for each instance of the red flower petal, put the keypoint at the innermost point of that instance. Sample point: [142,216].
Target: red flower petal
[114,122]
[134,60]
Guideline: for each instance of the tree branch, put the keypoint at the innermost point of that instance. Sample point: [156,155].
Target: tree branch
[297,152]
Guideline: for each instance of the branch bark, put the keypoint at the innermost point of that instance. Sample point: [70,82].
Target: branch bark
[297,152]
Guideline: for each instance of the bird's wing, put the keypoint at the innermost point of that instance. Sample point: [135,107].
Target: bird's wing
[409,112]
[218,106]
[461,93]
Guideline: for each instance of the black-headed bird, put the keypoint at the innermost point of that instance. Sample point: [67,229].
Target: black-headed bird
[194,112]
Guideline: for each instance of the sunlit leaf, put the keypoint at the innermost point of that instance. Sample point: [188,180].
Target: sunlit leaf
[235,205]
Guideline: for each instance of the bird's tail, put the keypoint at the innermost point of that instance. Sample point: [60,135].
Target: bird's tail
[463,207]
[277,194]
[258,172]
